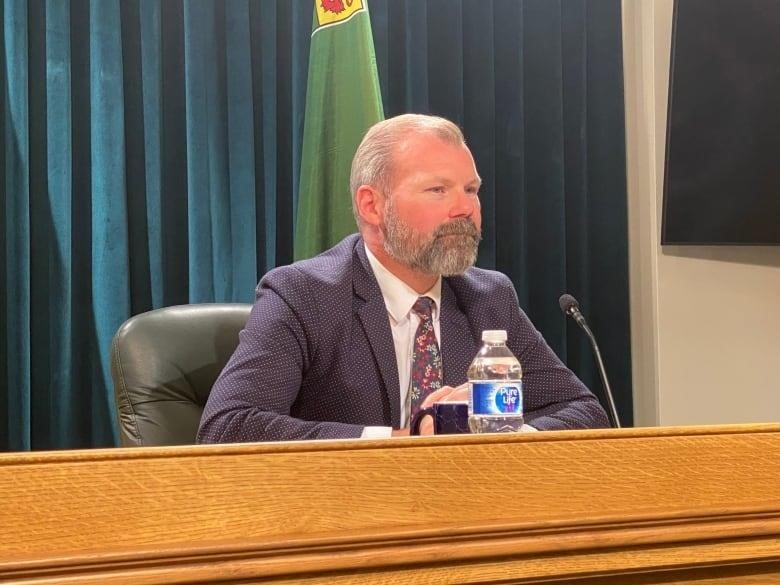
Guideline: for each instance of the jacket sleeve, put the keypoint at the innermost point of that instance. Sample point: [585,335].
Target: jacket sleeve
[553,397]
[253,396]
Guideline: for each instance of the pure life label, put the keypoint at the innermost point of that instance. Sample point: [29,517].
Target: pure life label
[497,398]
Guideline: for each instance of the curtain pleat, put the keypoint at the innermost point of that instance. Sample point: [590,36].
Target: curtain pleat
[544,175]
[505,195]
[151,150]
[16,283]
[137,159]
[204,144]
[149,50]
[240,257]
[110,238]
[58,217]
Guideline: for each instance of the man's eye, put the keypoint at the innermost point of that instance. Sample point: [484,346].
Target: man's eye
[437,189]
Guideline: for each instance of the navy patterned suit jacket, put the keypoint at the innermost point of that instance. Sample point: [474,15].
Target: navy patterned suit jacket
[316,359]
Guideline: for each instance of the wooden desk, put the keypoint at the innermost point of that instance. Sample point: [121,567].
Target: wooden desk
[671,505]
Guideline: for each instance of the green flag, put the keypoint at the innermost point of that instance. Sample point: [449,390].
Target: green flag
[342,102]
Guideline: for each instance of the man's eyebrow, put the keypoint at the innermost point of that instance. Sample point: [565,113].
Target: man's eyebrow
[437,179]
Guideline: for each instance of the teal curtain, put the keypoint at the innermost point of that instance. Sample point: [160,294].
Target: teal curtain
[150,153]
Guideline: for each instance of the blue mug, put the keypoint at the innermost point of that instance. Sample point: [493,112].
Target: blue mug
[449,418]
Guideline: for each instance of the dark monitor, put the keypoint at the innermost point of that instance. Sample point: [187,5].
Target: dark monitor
[722,181]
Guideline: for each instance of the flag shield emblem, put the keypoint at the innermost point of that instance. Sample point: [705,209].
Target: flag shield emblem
[335,11]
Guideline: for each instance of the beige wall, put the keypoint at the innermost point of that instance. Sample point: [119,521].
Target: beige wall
[705,320]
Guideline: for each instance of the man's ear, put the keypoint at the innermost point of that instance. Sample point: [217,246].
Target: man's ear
[370,205]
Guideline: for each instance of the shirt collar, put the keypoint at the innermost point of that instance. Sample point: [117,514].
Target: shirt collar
[400,297]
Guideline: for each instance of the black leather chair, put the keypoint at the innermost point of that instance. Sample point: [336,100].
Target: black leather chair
[164,363]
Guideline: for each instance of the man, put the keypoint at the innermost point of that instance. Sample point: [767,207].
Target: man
[333,345]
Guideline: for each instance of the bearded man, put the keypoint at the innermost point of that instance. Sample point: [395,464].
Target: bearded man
[332,347]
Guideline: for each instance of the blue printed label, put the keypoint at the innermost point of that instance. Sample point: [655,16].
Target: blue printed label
[497,397]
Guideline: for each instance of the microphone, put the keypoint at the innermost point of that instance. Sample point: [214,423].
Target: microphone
[571,308]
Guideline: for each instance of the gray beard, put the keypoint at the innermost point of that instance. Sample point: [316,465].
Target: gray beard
[451,250]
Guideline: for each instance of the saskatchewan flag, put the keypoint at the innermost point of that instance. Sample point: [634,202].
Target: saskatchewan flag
[342,101]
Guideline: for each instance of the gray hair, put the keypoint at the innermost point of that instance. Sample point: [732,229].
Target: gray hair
[373,160]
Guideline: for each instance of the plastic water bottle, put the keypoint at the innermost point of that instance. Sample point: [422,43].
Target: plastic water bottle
[496,387]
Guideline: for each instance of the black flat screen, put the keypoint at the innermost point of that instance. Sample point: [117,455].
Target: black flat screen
[722,177]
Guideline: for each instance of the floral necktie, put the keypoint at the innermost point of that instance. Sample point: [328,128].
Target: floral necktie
[426,358]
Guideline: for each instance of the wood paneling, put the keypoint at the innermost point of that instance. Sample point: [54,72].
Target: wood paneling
[675,505]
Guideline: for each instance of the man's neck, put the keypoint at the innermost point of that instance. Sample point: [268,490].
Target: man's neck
[420,282]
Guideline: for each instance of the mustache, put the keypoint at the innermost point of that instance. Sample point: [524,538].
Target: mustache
[458,227]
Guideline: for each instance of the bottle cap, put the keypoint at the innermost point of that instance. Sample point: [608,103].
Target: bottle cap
[494,335]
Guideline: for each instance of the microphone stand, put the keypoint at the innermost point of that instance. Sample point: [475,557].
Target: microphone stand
[611,411]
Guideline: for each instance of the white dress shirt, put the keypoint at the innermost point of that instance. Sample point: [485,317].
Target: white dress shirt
[399,298]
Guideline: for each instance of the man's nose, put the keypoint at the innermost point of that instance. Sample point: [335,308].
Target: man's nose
[464,205]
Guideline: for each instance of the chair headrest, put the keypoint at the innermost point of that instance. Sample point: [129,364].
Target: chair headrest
[164,363]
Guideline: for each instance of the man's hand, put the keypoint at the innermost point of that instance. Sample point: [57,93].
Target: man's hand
[444,394]
[447,394]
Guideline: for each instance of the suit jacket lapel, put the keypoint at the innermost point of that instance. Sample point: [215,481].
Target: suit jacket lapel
[376,324]
[459,344]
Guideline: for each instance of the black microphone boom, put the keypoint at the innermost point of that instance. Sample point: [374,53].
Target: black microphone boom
[571,308]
